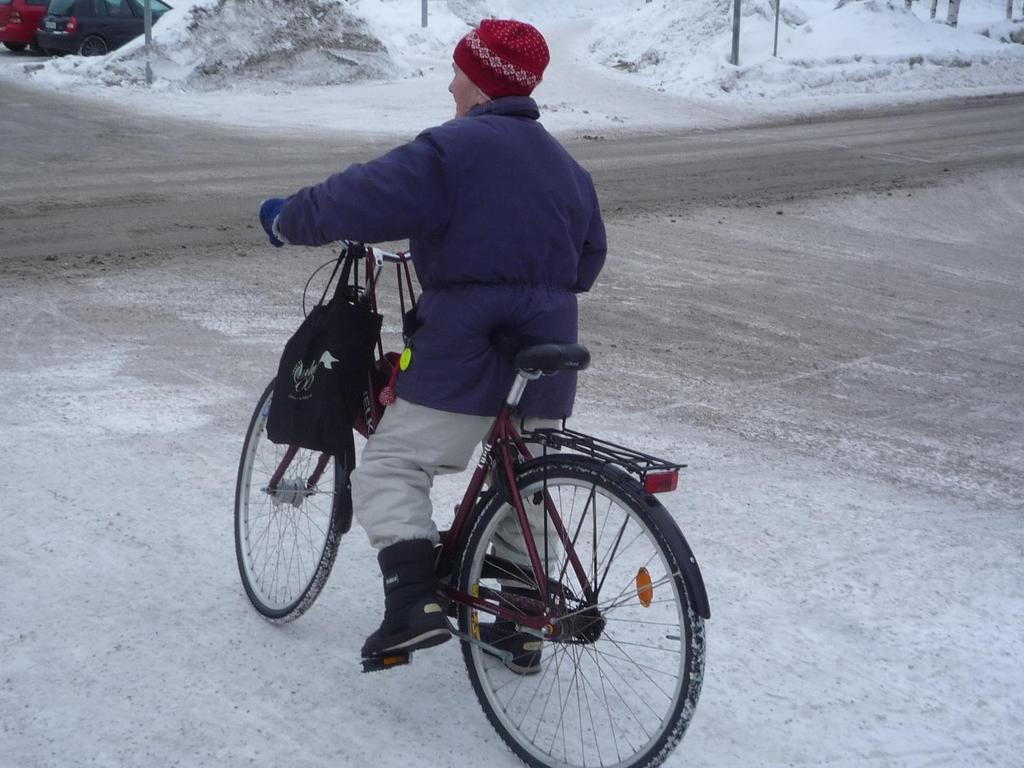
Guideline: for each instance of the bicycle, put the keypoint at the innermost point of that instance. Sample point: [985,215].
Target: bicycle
[569,548]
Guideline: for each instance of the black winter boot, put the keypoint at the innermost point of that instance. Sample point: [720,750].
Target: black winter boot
[413,617]
[525,649]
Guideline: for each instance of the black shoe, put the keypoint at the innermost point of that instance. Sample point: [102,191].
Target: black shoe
[525,649]
[413,617]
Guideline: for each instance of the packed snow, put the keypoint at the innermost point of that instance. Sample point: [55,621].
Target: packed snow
[369,65]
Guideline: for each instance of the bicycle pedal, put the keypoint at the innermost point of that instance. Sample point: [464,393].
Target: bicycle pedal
[378,663]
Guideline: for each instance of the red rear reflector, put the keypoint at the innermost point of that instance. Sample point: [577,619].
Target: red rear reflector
[72,25]
[661,482]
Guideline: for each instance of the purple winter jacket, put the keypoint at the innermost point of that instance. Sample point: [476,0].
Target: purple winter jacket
[504,228]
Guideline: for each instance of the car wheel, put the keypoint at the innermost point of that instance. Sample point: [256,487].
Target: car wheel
[15,46]
[93,45]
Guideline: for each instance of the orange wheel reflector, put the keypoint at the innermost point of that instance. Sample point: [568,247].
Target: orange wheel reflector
[644,590]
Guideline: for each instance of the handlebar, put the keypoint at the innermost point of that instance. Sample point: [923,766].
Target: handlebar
[380,256]
[386,257]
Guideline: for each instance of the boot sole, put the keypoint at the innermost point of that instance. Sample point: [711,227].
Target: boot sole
[521,670]
[423,640]
[534,654]
[512,666]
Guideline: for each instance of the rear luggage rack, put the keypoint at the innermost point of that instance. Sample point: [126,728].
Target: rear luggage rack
[633,461]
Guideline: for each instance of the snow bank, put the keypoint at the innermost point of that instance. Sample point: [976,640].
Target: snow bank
[1005,31]
[824,48]
[680,46]
[210,44]
[213,44]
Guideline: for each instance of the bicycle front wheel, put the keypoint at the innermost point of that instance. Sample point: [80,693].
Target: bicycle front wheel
[615,678]
[291,507]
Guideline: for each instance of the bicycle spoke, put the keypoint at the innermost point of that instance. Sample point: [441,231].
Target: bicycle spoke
[513,576]
[277,560]
[614,714]
[629,683]
[575,538]
[608,655]
[626,704]
[561,715]
[636,695]
[593,725]
[608,709]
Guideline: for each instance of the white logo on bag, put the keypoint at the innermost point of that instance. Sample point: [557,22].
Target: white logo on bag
[303,375]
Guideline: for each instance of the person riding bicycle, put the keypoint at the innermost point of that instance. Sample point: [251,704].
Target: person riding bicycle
[505,229]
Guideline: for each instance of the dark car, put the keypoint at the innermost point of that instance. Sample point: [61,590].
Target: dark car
[93,27]
[18,22]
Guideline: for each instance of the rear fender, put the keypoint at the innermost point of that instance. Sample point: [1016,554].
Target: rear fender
[688,567]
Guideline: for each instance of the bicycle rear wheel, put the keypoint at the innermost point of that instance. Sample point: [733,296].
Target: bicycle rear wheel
[286,539]
[618,684]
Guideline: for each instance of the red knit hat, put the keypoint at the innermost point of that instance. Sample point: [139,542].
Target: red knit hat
[503,57]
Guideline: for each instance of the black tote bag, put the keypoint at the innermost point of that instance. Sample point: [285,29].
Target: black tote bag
[324,369]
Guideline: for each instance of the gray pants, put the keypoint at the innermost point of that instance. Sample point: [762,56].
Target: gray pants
[412,445]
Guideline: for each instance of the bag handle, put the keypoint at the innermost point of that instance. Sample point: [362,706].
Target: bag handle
[401,268]
[344,263]
[354,253]
[327,287]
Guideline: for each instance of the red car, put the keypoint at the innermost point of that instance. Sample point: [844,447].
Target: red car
[18,22]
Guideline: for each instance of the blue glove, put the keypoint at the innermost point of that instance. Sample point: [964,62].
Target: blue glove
[270,209]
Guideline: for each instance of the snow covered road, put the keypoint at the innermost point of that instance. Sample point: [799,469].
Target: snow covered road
[97,179]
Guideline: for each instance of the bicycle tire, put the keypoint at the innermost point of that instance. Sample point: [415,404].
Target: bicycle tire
[294,532]
[604,734]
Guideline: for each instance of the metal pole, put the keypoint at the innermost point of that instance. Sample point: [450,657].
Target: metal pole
[953,13]
[423,14]
[775,49]
[147,16]
[736,33]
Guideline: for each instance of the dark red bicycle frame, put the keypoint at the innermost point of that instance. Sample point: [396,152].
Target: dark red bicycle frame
[497,457]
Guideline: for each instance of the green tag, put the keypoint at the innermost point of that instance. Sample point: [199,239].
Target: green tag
[405,359]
